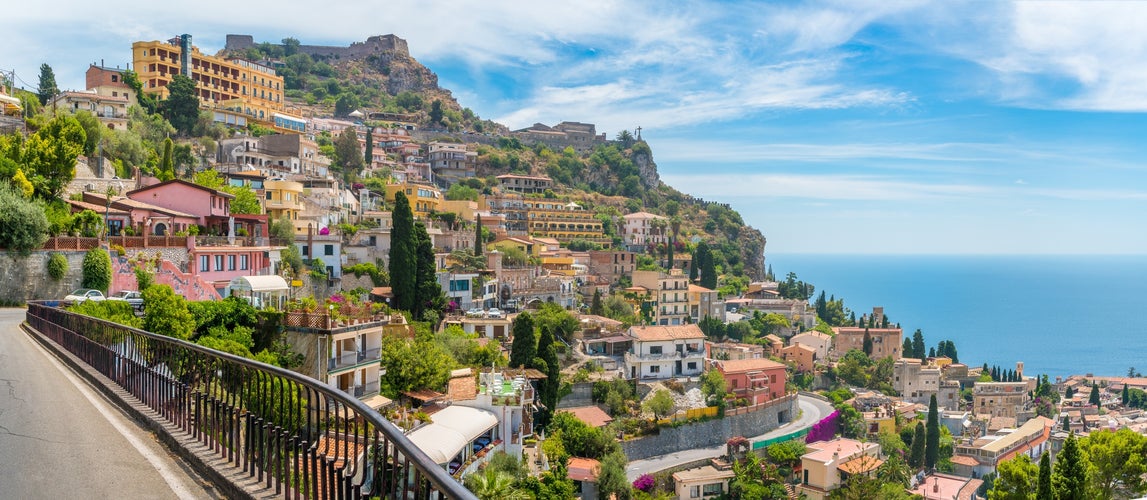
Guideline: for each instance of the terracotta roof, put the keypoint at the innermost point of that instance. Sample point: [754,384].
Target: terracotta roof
[185,183]
[676,332]
[83,205]
[643,215]
[591,415]
[698,288]
[821,451]
[424,395]
[583,469]
[462,388]
[703,473]
[745,365]
[965,460]
[861,464]
[602,320]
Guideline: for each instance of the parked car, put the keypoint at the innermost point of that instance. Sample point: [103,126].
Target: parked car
[476,312]
[131,297]
[84,294]
[494,312]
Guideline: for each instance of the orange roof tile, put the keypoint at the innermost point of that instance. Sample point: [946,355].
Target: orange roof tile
[583,469]
[676,332]
[745,365]
[861,464]
[591,415]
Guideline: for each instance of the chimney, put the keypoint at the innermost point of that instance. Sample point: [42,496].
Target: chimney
[935,485]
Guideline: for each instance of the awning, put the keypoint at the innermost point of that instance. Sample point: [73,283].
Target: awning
[270,283]
[450,430]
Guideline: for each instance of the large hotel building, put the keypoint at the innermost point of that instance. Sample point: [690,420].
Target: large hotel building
[235,90]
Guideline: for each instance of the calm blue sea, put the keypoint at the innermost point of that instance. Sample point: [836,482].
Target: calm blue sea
[1060,315]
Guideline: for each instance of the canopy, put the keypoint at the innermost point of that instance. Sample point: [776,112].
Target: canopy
[450,430]
[270,283]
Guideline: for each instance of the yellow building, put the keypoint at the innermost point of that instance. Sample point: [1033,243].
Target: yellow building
[236,89]
[284,199]
[466,209]
[563,265]
[565,222]
[528,247]
[423,198]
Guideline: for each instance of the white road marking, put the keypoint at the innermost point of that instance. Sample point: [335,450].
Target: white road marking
[117,421]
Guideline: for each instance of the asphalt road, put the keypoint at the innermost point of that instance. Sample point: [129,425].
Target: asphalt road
[812,410]
[60,438]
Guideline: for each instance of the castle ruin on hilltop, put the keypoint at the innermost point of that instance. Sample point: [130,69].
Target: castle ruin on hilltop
[357,50]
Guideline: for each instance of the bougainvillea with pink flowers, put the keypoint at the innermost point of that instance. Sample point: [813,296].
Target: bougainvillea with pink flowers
[825,429]
[644,483]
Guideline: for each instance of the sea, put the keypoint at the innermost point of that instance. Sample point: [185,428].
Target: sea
[1059,315]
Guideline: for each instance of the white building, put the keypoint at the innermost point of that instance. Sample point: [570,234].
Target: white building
[639,230]
[915,381]
[665,351]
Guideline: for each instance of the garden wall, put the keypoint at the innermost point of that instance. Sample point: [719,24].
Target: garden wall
[712,432]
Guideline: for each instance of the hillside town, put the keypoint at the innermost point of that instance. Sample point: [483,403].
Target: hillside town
[528,329]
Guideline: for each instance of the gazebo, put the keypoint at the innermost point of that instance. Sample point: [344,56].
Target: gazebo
[260,291]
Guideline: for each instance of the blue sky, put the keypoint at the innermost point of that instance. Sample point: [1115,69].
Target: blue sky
[834,127]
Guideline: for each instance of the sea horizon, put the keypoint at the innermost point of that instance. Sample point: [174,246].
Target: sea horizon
[1059,314]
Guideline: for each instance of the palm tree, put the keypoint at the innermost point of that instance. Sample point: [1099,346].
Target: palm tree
[494,485]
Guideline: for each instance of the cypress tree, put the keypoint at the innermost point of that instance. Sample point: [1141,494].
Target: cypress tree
[403,258]
[596,307]
[995,374]
[524,347]
[852,319]
[932,445]
[906,349]
[931,352]
[368,152]
[918,349]
[427,291]
[669,253]
[479,248]
[708,267]
[1069,393]
[693,266]
[1069,477]
[1094,397]
[1043,486]
[166,164]
[47,89]
[1126,395]
[548,393]
[952,352]
[916,452]
[867,346]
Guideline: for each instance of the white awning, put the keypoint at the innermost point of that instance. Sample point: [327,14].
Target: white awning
[270,283]
[451,430]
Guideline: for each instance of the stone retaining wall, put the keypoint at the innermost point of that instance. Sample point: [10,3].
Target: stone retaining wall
[712,432]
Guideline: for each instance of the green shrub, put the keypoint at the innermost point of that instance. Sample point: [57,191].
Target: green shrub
[23,225]
[57,266]
[97,270]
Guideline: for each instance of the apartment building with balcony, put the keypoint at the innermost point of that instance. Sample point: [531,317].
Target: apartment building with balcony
[451,161]
[564,222]
[977,457]
[915,380]
[111,111]
[235,89]
[642,229]
[276,155]
[704,303]
[525,183]
[756,380]
[659,352]
[284,199]
[424,198]
[1000,399]
[670,291]
[347,358]
[511,212]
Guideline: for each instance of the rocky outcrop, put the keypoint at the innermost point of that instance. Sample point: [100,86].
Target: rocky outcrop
[752,245]
[647,169]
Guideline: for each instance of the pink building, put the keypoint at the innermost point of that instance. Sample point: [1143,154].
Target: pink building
[212,207]
[142,217]
[756,380]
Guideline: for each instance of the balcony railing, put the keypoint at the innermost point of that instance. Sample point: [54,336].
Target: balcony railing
[362,391]
[352,358]
[300,437]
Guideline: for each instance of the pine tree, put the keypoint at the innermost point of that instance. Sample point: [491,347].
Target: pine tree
[1094,397]
[1043,486]
[596,307]
[1069,477]
[916,452]
[524,347]
[932,445]
[918,349]
[403,254]
[47,89]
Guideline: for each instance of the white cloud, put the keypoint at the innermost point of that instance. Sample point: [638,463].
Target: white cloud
[820,187]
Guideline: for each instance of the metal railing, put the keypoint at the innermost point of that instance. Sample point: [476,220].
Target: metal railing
[352,358]
[295,435]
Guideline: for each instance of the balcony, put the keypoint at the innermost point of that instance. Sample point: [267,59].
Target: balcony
[671,355]
[353,358]
[363,391]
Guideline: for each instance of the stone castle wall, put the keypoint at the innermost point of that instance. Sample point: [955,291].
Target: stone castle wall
[356,50]
[711,432]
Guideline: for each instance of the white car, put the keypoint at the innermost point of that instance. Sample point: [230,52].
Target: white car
[84,294]
[133,298]
[476,312]
[494,312]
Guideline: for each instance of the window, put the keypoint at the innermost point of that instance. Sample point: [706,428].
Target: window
[268,195]
[218,262]
[230,262]
[694,492]
[204,263]
[692,365]
[655,349]
[655,369]
[306,250]
[712,489]
[328,249]
[243,264]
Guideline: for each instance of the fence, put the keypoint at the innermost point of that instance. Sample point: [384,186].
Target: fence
[295,435]
[690,414]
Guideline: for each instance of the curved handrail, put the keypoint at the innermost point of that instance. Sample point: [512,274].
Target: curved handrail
[299,435]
